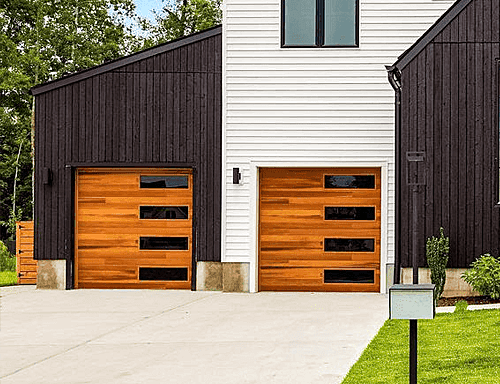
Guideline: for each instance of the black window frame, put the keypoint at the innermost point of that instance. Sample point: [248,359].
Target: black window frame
[320,28]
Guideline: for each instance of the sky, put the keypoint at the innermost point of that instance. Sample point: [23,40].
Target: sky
[144,7]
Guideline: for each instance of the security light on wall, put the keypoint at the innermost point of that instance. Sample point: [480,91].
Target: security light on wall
[237,176]
[47,176]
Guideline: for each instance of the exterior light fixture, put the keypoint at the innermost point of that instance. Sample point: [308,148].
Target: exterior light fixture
[236,176]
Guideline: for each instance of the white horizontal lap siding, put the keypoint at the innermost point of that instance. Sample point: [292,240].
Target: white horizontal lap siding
[308,106]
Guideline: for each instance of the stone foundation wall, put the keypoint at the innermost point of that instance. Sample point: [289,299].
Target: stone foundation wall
[227,277]
[453,287]
[51,274]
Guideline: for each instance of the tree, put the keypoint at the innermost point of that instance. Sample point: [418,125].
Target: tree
[180,18]
[40,40]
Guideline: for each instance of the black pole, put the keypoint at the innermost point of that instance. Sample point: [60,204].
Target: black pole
[413,351]
[415,237]
[413,323]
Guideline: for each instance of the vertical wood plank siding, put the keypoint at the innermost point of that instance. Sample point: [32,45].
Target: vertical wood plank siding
[450,111]
[161,110]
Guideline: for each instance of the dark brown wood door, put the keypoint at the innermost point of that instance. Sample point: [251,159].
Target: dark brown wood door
[319,229]
[133,228]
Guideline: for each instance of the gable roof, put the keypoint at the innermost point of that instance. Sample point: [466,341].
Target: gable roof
[431,33]
[126,60]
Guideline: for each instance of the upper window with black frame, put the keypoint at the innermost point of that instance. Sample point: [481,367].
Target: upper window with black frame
[320,23]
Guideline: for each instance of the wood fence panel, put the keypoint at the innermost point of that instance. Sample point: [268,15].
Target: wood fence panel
[26,266]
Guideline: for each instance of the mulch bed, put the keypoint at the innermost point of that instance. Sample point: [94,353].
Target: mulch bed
[471,300]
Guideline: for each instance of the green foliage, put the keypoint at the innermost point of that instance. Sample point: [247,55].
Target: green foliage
[41,40]
[8,278]
[7,261]
[14,134]
[484,276]
[180,18]
[437,253]
[461,306]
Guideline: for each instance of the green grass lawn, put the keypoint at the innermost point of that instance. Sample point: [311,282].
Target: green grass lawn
[459,347]
[8,278]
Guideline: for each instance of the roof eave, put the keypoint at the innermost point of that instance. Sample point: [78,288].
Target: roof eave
[123,61]
[431,33]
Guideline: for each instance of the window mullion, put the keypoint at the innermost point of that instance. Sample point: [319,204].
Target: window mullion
[320,22]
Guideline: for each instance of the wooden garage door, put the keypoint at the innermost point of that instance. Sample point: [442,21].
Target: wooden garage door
[133,228]
[319,229]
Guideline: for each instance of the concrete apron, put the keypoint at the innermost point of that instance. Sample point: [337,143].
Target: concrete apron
[147,336]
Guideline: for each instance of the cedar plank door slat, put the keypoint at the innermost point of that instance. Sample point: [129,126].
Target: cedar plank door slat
[292,229]
[108,228]
[26,266]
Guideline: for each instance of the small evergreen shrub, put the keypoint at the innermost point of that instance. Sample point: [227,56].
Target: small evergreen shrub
[7,261]
[484,276]
[461,306]
[437,252]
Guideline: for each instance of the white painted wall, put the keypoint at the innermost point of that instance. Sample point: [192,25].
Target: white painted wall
[308,106]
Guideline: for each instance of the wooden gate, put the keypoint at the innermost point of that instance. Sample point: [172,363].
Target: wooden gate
[26,265]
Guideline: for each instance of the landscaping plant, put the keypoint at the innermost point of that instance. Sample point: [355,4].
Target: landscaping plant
[7,261]
[484,276]
[437,252]
[461,306]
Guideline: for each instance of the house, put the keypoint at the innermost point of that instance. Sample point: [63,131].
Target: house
[447,84]
[308,122]
[303,164]
[128,169]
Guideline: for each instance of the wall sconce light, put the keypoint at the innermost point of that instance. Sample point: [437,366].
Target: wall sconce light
[47,176]
[236,176]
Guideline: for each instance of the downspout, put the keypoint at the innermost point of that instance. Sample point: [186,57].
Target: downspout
[394,76]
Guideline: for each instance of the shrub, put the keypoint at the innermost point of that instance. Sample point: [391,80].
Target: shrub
[437,251]
[461,306]
[484,276]
[7,261]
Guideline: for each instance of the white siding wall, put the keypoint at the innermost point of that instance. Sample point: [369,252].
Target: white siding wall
[308,106]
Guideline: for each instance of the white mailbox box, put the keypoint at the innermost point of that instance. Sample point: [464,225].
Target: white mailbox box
[412,301]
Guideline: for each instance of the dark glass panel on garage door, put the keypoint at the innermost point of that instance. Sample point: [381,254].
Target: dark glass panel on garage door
[164,243]
[163,274]
[343,181]
[349,245]
[349,213]
[349,276]
[164,213]
[164,182]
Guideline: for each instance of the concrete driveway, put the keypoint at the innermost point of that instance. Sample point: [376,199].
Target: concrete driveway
[152,336]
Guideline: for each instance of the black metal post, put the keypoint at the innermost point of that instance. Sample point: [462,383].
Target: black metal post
[413,323]
[413,351]
[415,237]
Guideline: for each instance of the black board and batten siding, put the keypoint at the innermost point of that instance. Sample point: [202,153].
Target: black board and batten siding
[158,108]
[449,110]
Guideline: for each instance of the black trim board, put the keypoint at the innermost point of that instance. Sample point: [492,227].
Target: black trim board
[431,33]
[118,63]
